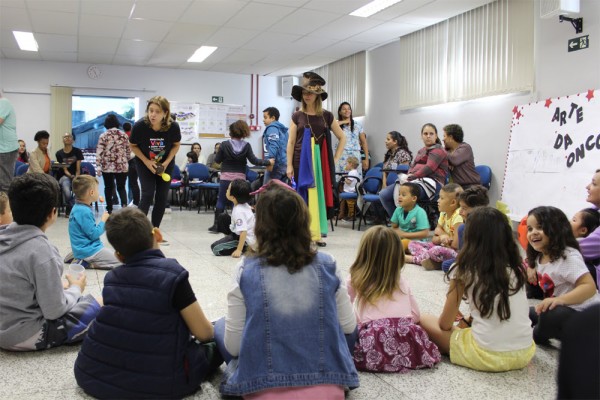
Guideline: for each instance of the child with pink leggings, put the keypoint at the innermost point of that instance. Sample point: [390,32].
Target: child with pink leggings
[444,243]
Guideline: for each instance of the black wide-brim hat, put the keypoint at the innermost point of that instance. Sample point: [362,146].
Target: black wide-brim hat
[311,88]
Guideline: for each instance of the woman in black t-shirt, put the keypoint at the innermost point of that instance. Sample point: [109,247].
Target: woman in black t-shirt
[155,141]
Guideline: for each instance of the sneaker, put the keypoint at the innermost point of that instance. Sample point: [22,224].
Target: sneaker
[164,243]
[69,258]
[431,265]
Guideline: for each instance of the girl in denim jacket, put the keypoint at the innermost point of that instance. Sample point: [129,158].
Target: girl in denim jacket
[290,327]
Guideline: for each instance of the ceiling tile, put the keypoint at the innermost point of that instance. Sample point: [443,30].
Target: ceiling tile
[98,45]
[20,54]
[115,8]
[129,60]
[231,37]
[136,48]
[94,58]
[68,6]
[271,41]
[243,56]
[341,49]
[61,43]
[15,19]
[402,8]
[303,22]
[259,15]
[169,53]
[102,26]
[7,40]
[58,56]
[153,31]
[14,3]
[190,33]
[210,12]
[160,10]
[385,32]
[60,23]
[437,11]
[345,27]
[309,44]
[343,7]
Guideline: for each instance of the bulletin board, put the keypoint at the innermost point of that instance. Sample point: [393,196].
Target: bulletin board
[197,120]
[553,151]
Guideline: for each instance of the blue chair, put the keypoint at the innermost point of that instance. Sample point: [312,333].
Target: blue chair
[17,165]
[197,174]
[251,175]
[176,185]
[485,173]
[380,165]
[348,196]
[22,169]
[87,168]
[369,190]
[391,178]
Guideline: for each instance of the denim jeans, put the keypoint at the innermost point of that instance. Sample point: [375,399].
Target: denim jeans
[65,186]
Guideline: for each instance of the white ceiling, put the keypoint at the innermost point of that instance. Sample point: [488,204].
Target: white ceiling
[267,37]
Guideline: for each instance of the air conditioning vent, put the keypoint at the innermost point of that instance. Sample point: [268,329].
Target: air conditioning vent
[552,8]
[287,82]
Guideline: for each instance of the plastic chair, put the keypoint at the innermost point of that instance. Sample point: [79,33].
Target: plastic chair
[17,165]
[87,168]
[197,174]
[176,185]
[369,190]
[349,196]
[22,169]
[485,173]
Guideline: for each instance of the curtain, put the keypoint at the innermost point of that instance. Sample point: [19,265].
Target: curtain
[483,52]
[60,116]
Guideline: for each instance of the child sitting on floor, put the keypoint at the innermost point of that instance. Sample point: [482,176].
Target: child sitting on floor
[38,310]
[141,345]
[583,224]
[84,232]
[472,197]
[409,220]
[444,243]
[488,274]
[293,310]
[556,273]
[5,212]
[389,337]
[347,206]
[240,233]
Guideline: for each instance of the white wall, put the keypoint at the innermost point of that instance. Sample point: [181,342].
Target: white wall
[27,85]
[486,122]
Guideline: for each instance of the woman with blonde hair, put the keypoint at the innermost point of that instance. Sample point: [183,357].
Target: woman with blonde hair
[155,141]
[310,159]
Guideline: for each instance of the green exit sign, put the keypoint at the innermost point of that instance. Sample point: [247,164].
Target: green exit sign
[217,99]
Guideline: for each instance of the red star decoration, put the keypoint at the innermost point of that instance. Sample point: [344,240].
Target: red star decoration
[590,94]
[548,102]
[515,109]
[519,115]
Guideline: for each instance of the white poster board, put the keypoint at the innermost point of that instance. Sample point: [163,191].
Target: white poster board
[553,151]
[211,120]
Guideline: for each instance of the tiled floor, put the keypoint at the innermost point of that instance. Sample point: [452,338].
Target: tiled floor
[49,374]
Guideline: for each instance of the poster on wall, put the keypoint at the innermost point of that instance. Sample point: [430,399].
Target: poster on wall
[187,115]
[553,151]
[198,120]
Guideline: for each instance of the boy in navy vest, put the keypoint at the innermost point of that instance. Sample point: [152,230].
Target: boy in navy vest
[141,345]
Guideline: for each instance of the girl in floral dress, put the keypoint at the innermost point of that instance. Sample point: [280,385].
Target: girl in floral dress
[389,337]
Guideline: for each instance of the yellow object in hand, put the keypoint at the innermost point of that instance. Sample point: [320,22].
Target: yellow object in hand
[166,177]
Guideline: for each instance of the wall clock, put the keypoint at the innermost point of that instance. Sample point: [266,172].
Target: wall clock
[94,72]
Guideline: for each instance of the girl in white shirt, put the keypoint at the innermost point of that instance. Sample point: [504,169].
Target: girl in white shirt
[557,268]
[487,274]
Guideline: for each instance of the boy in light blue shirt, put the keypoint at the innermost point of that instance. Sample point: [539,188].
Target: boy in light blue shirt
[84,232]
[409,220]
[275,139]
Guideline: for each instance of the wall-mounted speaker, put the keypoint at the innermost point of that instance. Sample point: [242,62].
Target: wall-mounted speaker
[287,82]
[552,8]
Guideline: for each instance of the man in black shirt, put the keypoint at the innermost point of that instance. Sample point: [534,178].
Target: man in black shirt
[72,156]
